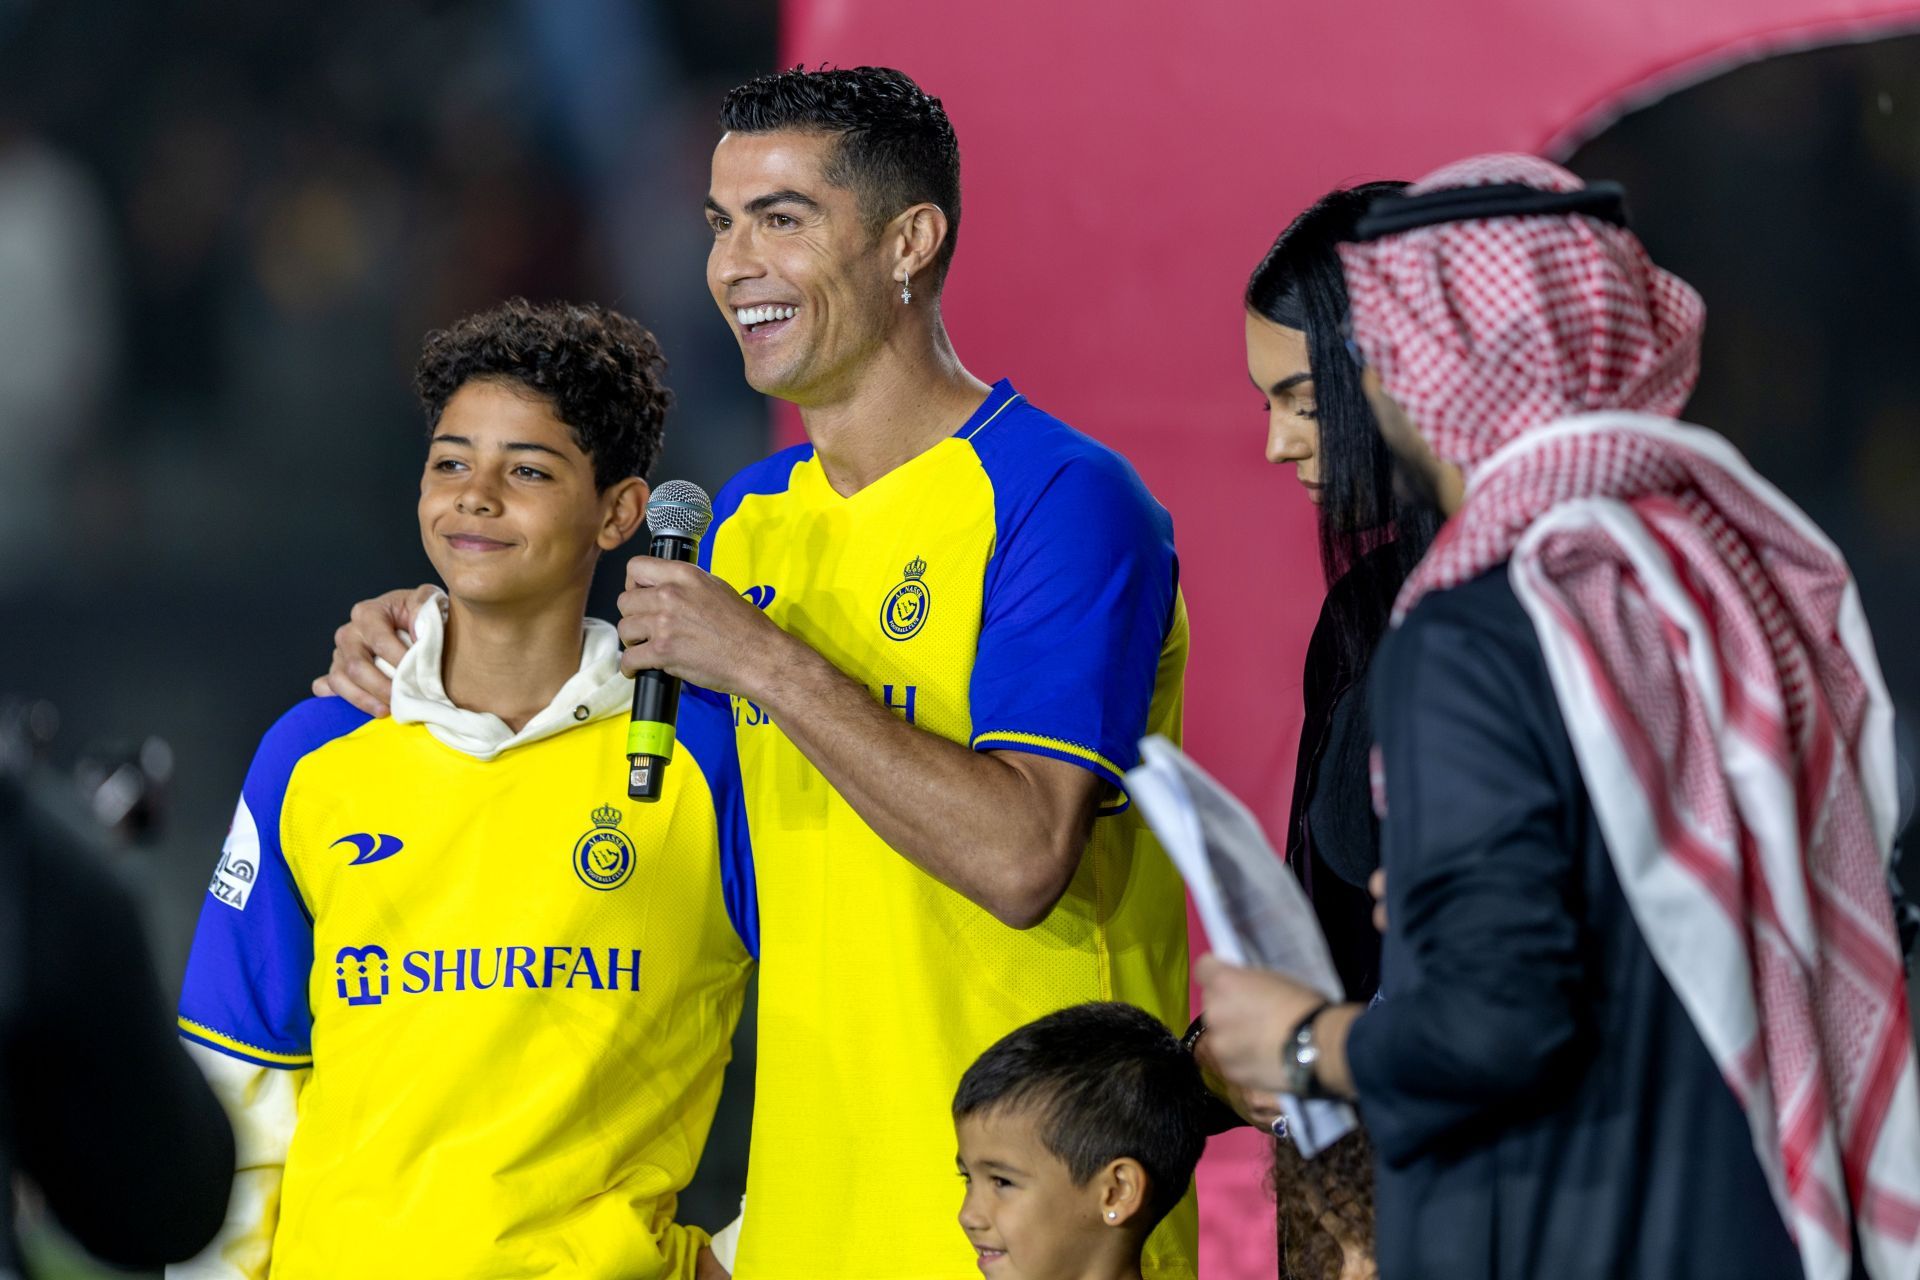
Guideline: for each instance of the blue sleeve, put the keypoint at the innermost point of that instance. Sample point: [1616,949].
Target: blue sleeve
[245,992]
[705,729]
[1484,958]
[1079,596]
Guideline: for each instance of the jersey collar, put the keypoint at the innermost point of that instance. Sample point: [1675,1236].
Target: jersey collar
[1001,398]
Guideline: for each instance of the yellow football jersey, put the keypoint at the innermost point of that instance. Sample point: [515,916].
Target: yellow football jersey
[1013,588]
[515,988]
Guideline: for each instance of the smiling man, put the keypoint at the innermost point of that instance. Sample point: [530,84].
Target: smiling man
[467,1006]
[971,615]
[945,622]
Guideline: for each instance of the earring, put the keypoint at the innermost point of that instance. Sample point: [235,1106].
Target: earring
[906,291]
[1111,1215]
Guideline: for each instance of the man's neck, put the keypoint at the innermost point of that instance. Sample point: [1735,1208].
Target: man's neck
[511,662]
[910,396]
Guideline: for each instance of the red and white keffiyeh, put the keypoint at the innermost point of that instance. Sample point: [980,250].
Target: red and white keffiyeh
[1712,663]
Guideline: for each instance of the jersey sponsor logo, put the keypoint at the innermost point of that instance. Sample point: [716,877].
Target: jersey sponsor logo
[239,866]
[371,847]
[904,611]
[748,715]
[762,596]
[903,698]
[356,977]
[603,858]
[362,977]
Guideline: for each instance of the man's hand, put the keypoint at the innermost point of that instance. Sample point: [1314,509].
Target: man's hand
[1256,1106]
[1250,1013]
[686,622]
[381,627]
[1377,886]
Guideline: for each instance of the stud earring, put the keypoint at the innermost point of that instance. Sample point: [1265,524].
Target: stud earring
[1111,1215]
[906,291]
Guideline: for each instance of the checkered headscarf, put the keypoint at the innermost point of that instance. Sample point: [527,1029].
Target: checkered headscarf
[1711,661]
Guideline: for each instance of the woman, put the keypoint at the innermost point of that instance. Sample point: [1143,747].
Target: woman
[1370,539]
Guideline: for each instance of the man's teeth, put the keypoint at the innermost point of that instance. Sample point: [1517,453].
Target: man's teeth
[761,315]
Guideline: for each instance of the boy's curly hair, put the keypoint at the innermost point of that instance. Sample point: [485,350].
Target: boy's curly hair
[1325,1207]
[601,371]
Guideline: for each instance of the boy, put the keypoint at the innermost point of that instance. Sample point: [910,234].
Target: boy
[1078,1133]
[467,1004]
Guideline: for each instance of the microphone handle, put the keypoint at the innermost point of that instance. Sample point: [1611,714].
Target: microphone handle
[656,704]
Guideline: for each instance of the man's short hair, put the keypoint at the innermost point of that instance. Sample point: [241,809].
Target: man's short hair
[600,371]
[1103,1081]
[896,146]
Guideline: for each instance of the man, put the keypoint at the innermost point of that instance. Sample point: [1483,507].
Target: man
[959,618]
[1637,768]
[468,1005]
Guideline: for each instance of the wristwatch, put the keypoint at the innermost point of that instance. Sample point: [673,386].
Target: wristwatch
[1300,1053]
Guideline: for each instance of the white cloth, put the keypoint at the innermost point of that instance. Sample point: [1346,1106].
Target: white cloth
[420,695]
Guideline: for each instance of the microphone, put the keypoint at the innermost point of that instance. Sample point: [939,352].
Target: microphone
[677,514]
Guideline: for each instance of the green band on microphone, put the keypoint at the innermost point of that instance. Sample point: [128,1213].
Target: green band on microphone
[650,738]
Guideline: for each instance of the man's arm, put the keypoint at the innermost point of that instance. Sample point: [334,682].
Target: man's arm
[1488,1008]
[1482,882]
[1006,829]
[377,630]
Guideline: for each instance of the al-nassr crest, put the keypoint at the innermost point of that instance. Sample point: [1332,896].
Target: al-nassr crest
[603,858]
[906,605]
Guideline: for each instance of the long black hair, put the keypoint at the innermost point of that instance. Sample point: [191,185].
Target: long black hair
[1370,536]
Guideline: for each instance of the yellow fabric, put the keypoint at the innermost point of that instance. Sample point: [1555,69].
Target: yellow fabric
[879,985]
[507,1131]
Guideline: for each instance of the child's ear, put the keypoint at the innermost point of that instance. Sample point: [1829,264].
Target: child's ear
[623,510]
[1124,1190]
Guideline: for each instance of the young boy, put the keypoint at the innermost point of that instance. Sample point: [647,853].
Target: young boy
[467,1004]
[1078,1133]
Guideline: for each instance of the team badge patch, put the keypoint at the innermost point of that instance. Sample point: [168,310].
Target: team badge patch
[603,858]
[905,609]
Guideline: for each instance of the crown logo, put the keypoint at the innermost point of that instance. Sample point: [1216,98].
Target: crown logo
[606,816]
[916,567]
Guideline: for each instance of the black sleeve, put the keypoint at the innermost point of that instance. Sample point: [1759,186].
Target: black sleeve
[112,1119]
[1484,962]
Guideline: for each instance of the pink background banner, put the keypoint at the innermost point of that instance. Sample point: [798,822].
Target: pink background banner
[1124,168]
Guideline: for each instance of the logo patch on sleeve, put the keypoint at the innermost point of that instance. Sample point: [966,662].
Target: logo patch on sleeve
[239,868]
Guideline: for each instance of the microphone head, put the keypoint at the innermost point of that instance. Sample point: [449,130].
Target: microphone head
[679,509]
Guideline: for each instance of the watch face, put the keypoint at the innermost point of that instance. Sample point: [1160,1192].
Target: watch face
[1302,1053]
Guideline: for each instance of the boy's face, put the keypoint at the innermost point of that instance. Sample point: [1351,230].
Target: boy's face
[508,509]
[1022,1213]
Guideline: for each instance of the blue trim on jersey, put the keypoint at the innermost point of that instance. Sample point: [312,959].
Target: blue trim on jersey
[772,474]
[232,1052]
[1079,594]
[1109,807]
[248,971]
[705,729]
